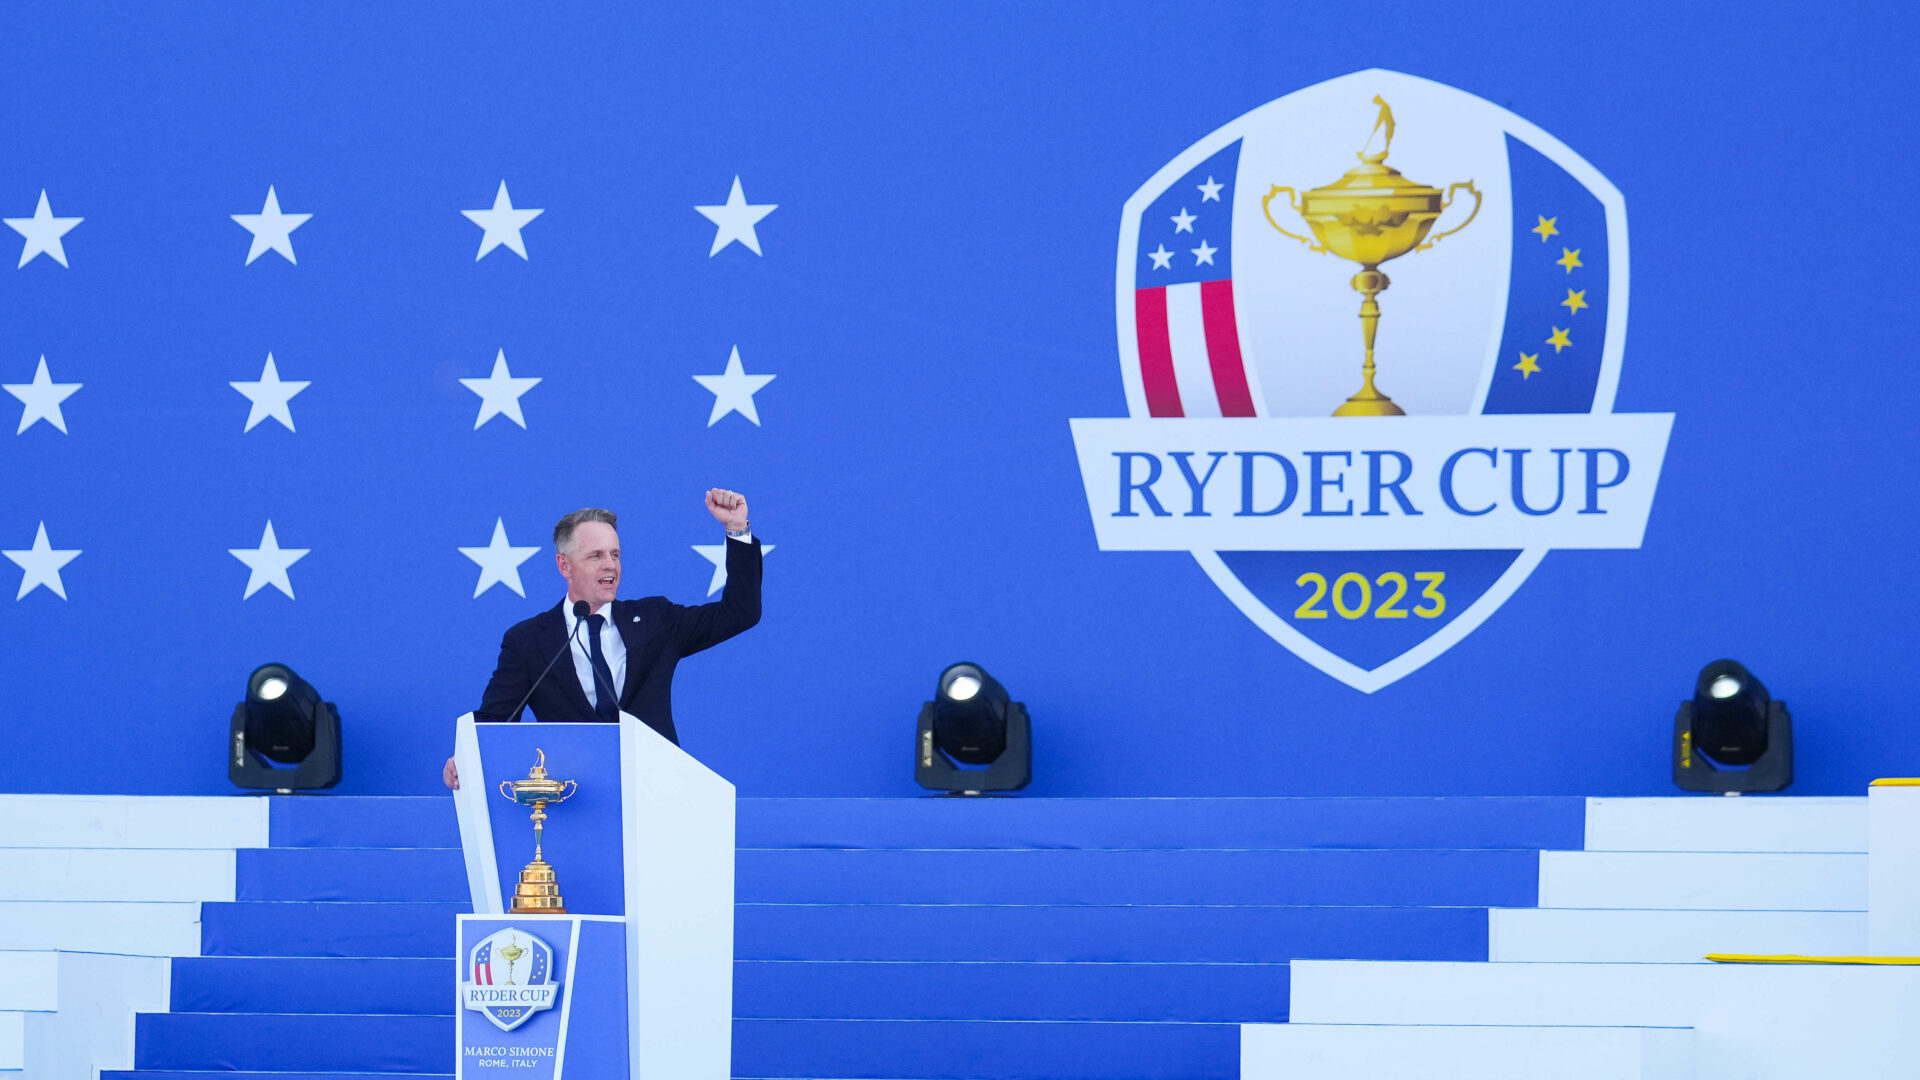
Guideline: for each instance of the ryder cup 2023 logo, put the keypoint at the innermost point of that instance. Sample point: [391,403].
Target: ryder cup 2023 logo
[1370,334]
[510,977]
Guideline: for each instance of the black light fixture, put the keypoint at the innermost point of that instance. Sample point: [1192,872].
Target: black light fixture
[1732,737]
[283,737]
[972,737]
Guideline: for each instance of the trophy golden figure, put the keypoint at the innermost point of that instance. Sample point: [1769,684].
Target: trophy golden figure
[513,952]
[537,893]
[1371,215]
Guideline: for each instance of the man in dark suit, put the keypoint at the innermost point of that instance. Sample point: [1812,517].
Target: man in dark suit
[624,651]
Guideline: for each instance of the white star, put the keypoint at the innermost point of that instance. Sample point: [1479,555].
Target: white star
[499,393]
[502,224]
[717,555]
[41,564]
[1210,191]
[499,561]
[1162,258]
[43,232]
[268,563]
[736,219]
[270,396]
[271,229]
[41,398]
[1183,221]
[733,390]
[1204,254]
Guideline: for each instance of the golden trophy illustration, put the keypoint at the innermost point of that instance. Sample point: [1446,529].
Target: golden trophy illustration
[513,952]
[537,893]
[1371,215]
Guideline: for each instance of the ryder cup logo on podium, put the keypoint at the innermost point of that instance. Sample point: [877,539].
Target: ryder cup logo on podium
[510,977]
[1369,494]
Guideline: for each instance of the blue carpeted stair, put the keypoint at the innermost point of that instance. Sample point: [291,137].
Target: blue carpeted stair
[884,938]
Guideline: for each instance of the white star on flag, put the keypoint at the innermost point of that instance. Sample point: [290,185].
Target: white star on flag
[1162,258]
[1183,221]
[41,399]
[499,561]
[271,229]
[733,390]
[270,396]
[717,555]
[1210,191]
[268,563]
[500,393]
[43,232]
[1204,254]
[736,219]
[502,224]
[41,565]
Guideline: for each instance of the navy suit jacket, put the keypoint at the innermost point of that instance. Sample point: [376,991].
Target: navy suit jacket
[657,633]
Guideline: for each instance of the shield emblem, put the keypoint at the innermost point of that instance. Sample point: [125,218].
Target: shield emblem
[510,977]
[1375,233]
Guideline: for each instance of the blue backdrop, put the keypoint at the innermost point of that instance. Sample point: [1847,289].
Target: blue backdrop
[934,297]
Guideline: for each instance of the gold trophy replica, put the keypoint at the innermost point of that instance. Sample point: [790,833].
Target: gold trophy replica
[537,893]
[1370,215]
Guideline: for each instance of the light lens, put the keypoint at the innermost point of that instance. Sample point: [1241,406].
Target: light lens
[1724,687]
[963,687]
[272,687]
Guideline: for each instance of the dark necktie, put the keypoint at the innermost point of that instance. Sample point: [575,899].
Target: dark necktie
[603,702]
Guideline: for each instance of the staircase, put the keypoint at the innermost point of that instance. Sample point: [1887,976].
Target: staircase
[894,939]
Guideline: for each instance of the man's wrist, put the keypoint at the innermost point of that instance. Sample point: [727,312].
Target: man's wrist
[744,532]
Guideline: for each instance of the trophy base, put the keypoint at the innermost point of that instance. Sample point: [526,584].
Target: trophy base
[1369,404]
[537,892]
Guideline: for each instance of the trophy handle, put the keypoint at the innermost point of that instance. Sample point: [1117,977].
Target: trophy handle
[1266,208]
[506,790]
[1437,237]
[569,791]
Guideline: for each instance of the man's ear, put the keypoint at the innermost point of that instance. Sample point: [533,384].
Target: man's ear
[560,563]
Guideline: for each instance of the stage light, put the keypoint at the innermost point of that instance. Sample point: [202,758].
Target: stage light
[283,720]
[973,737]
[1733,737]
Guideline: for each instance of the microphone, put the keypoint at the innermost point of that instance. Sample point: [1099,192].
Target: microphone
[580,610]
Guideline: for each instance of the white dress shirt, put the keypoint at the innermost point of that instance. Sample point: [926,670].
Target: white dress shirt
[612,645]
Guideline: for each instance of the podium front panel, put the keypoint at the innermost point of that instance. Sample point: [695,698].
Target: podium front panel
[583,835]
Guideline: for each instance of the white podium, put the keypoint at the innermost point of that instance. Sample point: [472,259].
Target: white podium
[648,841]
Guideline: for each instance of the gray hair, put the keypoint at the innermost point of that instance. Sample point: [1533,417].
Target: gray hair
[563,532]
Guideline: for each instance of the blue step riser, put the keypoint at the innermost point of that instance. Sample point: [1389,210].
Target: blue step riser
[910,1050]
[1220,993]
[1516,822]
[1466,878]
[1191,993]
[363,822]
[1513,822]
[1446,878]
[294,1042]
[1138,934]
[328,929]
[407,875]
[300,985]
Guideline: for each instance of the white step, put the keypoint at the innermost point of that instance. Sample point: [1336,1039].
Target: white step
[1734,881]
[1718,823]
[1751,1022]
[107,874]
[133,821]
[1668,937]
[65,1015]
[132,928]
[1350,1051]
[13,1042]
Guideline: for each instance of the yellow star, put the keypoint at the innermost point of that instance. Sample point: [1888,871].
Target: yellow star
[1569,258]
[1528,366]
[1576,299]
[1545,228]
[1558,340]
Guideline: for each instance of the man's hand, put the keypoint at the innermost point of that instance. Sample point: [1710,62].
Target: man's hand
[451,775]
[728,507]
